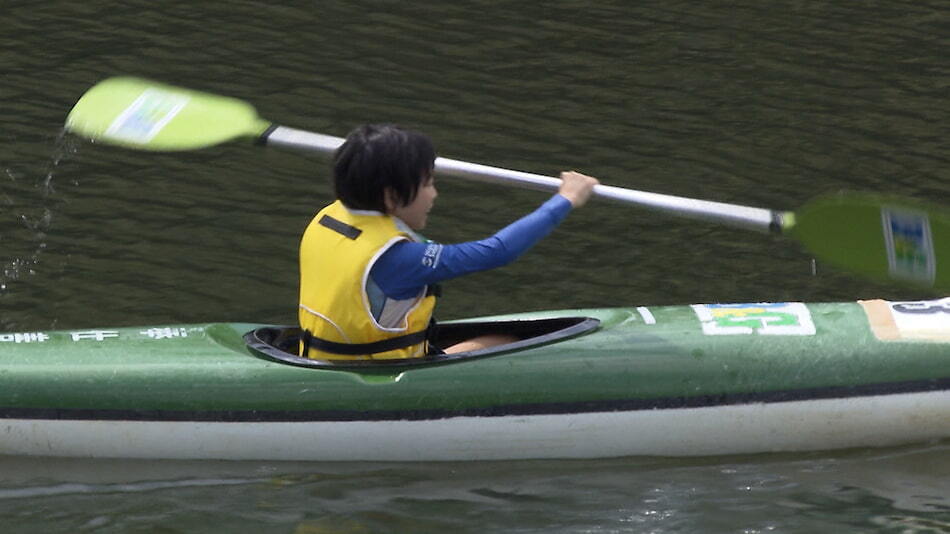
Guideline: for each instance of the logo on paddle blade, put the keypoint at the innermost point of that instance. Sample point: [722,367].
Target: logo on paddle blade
[910,250]
[142,120]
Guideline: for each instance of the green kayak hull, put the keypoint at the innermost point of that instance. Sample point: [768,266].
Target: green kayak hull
[667,380]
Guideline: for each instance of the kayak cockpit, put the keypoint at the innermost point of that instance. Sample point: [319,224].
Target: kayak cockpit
[279,343]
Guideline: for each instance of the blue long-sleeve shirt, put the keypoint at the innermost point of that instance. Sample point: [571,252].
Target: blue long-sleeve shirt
[406,267]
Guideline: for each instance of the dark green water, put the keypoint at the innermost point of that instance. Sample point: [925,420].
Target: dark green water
[762,104]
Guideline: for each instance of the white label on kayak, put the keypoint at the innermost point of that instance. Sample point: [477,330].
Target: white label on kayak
[142,120]
[922,320]
[24,337]
[164,332]
[910,250]
[97,335]
[646,314]
[767,319]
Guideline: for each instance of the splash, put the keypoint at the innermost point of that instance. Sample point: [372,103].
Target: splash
[66,145]
[27,213]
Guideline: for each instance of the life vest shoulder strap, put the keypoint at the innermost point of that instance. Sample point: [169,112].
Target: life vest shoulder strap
[340,227]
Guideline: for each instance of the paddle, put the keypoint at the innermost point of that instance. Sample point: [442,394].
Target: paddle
[880,237]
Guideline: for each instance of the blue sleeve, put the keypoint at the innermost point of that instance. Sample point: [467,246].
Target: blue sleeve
[408,266]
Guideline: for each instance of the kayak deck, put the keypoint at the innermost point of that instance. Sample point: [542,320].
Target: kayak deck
[670,380]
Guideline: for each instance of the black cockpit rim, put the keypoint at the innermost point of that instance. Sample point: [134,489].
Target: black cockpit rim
[279,343]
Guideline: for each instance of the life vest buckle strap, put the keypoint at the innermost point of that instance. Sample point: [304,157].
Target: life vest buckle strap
[432,332]
[358,349]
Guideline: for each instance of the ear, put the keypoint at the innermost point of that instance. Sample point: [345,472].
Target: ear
[390,200]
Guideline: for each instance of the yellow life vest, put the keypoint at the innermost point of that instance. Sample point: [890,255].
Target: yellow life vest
[338,249]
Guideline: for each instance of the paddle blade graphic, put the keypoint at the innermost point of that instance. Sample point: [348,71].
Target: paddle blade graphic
[142,114]
[881,237]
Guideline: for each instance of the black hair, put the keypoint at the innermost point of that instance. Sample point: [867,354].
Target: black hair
[379,156]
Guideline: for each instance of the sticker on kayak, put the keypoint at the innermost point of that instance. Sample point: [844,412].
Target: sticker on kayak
[922,320]
[767,319]
[150,112]
[910,250]
[162,332]
[24,337]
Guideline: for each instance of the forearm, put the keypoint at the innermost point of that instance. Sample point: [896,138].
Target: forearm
[408,266]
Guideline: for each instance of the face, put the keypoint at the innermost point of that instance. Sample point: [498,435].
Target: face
[416,212]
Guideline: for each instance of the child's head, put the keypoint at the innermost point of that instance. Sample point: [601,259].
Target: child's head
[377,157]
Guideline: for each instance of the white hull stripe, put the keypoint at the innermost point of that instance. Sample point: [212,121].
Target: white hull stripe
[787,426]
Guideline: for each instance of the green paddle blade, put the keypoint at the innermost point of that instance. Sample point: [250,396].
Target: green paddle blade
[881,237]
[142,114]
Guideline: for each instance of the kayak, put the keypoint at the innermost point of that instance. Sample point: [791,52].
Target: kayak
[705,379]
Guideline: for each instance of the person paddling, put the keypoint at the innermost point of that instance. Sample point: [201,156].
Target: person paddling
[368,281]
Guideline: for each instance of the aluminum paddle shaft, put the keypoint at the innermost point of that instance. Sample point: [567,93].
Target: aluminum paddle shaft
[760,219]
